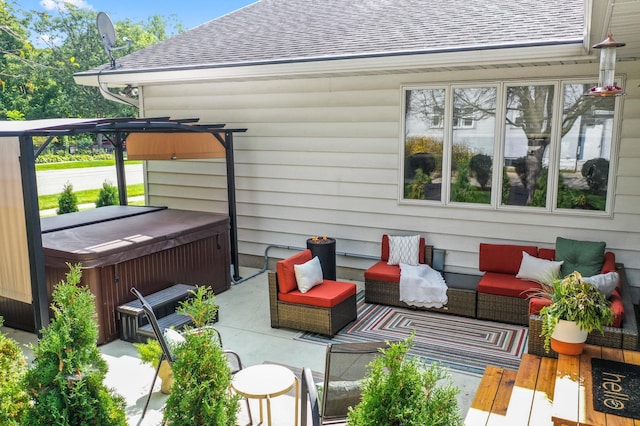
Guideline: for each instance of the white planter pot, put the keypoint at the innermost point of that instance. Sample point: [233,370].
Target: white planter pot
[567,338]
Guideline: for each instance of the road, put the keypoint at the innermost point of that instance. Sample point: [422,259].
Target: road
[53,181]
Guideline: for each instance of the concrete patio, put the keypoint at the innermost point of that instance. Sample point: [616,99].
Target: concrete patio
[245,328]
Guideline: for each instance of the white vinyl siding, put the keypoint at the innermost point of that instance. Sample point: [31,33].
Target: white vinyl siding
[321,157]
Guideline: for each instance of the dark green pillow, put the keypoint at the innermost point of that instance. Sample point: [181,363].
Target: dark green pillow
[585,257]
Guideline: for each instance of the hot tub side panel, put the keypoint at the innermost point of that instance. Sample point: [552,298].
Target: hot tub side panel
[201,262]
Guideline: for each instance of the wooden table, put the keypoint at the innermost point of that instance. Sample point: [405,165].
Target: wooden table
[573,394]
[266,381]
[546,391]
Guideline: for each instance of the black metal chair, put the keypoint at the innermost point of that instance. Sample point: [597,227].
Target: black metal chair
[233,359]
[346,365]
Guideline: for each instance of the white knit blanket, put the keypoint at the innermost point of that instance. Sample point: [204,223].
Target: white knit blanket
[422,286]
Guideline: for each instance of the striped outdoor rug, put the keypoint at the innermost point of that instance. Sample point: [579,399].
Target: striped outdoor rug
[463,344]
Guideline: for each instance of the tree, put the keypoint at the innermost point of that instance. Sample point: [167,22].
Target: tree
[38,81]
[108,195]
[66,379]
[67,201]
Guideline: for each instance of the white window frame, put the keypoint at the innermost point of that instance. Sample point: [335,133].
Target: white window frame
[498,158]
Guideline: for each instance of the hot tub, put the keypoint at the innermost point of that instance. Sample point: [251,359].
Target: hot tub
[149,248]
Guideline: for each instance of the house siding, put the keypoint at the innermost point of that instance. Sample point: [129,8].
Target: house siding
[321,156]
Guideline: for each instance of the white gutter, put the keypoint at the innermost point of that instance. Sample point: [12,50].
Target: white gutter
[549,54]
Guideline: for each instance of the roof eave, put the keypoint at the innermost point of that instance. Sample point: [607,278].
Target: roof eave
[570,51]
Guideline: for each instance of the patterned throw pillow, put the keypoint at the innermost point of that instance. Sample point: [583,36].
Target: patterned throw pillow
[404,250]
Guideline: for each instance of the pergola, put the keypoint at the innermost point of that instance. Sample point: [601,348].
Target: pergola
[159,138]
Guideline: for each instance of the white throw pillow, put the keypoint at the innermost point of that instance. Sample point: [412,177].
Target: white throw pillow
[404,250]
[539,270]
[308,274]
[606,283]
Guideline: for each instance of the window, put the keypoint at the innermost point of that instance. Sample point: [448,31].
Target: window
[551,154]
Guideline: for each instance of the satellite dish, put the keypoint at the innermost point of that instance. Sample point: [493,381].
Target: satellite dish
[108,35]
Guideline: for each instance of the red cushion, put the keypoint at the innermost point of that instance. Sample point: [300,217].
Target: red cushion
[286,274]
[537,303]
[547,253]
[383,272]
[618,308]
[503,258]
[326,295]
[506,285]
[384,255]
[609,264]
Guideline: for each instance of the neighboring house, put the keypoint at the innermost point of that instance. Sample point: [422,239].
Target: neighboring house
[340,96]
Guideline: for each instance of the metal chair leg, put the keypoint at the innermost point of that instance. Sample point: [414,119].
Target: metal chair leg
[155,376]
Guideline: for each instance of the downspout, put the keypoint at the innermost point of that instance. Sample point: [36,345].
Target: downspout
[104,91]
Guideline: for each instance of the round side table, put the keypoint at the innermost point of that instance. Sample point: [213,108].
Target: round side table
[266,381]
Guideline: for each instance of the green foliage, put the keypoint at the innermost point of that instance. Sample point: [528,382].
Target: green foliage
[14,400]
[480,167]
[573,299]
[401,390]
[201,307]
[506,186]
[66,379]
[68,201]
[47,158]
[575,198]
[37,82]
[596,173]
[540,194]
[199,395]
[108,195]
[149,351]
[415,190]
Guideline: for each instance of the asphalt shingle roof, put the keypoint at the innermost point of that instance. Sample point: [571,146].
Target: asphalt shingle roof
[293,30]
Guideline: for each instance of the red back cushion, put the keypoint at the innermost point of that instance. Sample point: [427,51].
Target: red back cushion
[385,249]
[547,253]
[503,258]
[286,273]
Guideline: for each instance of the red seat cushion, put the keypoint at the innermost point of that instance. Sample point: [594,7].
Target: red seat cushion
[383,272]
[503,258]
[506,285]
[326,295]
[286,273]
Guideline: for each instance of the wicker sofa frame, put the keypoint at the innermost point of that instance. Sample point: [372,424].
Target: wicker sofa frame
[625,337]
[460,301]
[494,307]
[327,321]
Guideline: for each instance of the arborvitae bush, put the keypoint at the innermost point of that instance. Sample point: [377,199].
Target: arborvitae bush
[402,390]
[14,400]
[66,379]
[480,167]
[200,393]
[67,201]
[108,195]
[596,173]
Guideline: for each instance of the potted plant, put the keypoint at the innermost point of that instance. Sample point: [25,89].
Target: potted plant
[150,352]
[576,309]
[202,309]
[200,393]
[400,389]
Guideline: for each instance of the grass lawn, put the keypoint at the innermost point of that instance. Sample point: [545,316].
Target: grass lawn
[79,164]
[87,196]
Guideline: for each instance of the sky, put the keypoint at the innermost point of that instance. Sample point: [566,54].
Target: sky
[190,13]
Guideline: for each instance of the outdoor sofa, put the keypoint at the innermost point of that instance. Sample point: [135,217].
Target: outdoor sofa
[382,284]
